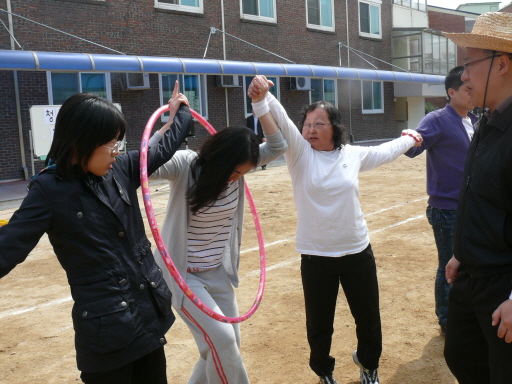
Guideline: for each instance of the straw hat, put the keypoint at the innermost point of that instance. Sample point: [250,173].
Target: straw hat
[492,31]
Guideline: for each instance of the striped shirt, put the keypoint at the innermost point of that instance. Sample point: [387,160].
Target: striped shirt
[209,230]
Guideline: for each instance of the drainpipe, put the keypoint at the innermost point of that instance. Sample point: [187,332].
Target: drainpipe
[349,81]
[17,96]
[224,56]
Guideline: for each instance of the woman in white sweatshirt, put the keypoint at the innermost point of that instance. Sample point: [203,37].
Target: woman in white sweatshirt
[332,235]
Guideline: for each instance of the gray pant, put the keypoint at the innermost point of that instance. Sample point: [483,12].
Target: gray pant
[220,361]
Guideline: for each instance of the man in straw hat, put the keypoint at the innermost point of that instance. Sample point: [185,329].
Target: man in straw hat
[478,346]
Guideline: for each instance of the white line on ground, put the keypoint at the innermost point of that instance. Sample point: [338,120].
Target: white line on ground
[395,206]
[13,312]
[249,274]
[397,224]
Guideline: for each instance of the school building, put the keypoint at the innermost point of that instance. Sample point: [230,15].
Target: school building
[365,56]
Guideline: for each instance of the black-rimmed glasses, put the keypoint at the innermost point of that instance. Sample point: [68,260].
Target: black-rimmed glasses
[466,65]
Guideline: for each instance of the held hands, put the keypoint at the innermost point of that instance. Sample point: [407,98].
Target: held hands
[415,135]
[503,317]
[174,103]
[259,88]
[451,270]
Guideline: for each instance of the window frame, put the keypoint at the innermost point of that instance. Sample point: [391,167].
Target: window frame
[179,7]
[265,19]
[246,98]
[371,3]
[181,80]
[321,27]
[373,110]
[323,79]
[108,83]
[421,5]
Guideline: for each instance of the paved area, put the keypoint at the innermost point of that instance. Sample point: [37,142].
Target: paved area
[11,193]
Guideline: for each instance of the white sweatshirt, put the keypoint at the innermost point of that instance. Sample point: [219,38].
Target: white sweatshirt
[326,187]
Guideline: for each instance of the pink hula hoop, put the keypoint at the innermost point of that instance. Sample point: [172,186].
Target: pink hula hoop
[158,238]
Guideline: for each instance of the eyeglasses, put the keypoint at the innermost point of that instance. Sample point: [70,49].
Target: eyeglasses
[466,65]
[316,125]
[117,147]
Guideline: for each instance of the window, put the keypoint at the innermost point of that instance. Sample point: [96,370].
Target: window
[192,86]
[195,6]
[323,89]
[372,93]
[369,19]
[407,50]
[420,5]
[439,54]
[63,85]
[320,14]
[260,10]
[273,90]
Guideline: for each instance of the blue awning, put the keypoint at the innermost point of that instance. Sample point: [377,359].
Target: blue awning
[85,62]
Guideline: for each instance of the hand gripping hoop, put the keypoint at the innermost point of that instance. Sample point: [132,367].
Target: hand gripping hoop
[158,238]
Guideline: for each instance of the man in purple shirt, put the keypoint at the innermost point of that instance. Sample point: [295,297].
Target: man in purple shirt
[446,136]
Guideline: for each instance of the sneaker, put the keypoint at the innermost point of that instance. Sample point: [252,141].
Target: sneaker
[327,379]
[368,376]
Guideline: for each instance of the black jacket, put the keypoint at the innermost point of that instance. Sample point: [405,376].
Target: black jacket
[250,124]
[483,227]
[122,306]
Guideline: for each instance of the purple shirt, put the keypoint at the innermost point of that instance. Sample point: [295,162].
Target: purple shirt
[447,142]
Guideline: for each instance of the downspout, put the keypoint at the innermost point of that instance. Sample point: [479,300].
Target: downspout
[224,56]
[17,95]
[349,81]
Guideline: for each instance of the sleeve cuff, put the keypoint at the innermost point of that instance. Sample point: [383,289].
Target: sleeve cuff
[155,139]
[260,108]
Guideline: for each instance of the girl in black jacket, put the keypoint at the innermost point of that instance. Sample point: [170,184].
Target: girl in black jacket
[86,201]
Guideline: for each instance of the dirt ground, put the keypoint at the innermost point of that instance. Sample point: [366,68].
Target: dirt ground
[36,337]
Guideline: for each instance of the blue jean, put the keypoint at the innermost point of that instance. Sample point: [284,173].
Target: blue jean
[442,222]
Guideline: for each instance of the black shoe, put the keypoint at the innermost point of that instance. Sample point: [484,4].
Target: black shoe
[327,379]
[443,330]
[264,167]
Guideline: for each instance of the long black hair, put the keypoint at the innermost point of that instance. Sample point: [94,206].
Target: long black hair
[218,157]
[339,133]
[84,122]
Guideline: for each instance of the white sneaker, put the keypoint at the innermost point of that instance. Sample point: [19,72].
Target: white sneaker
[368,376]
[327,379]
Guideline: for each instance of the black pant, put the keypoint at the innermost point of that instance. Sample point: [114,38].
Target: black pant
[149,369]
[473,351]
[321,277]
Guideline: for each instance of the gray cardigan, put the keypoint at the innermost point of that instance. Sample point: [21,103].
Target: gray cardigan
[177,218]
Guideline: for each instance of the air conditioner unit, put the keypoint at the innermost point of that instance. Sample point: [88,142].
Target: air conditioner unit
[300,83]
[226,81]
[136,81]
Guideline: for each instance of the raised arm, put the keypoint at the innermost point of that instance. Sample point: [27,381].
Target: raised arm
[263,102]
[175,101]
[161,148]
